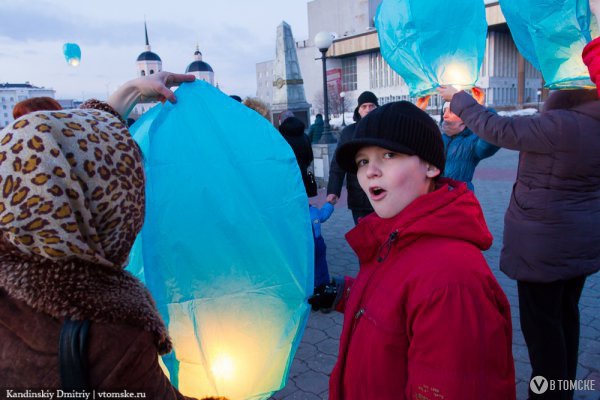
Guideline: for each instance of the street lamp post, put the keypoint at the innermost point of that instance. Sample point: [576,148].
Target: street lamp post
[343,95]
[323,41]
[539,96]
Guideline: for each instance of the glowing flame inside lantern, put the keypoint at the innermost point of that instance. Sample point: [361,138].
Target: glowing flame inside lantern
[223,367]
[72,54]
[456,74]
[238,355]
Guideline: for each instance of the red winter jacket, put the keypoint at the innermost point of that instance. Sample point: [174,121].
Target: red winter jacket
[425,318]
[591,58]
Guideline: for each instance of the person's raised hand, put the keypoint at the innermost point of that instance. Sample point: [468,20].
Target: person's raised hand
[447,92]
[156,87]
[422,102]
[478,94]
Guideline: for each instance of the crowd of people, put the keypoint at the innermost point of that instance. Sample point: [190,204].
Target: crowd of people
[424,318]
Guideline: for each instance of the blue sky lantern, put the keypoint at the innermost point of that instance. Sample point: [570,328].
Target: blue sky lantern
[226,249]
[433,43]
[72,54]
[551,35]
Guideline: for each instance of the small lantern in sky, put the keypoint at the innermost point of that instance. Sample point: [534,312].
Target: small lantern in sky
[72,54]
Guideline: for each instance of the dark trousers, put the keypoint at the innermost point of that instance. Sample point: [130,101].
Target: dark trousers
[549,314]
[321,269]
[356,214]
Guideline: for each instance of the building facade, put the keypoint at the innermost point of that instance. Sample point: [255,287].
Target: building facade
[355,63]
[12,93]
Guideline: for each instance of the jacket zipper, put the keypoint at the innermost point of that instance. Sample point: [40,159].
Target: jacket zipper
[387,246]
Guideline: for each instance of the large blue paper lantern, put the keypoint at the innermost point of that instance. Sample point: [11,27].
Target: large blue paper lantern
[432,43]
[551,35]
[226,249]
[72,54]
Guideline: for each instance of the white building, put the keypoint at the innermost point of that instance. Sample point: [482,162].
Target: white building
[264,81]
[147,63]
[12,93]
[355,64]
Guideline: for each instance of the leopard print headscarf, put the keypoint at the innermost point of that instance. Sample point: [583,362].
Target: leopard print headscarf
[71,205]
[72,186]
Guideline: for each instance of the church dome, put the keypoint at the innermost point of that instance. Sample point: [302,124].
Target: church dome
[148,56]
[199,66]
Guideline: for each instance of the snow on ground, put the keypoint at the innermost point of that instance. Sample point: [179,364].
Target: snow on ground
[336,122]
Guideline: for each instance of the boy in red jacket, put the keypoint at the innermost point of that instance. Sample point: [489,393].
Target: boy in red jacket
[425,318]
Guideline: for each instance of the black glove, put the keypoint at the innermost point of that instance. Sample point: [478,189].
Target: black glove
[324,296]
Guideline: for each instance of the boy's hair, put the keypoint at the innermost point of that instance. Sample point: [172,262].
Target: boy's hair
[401,127]
[35,104]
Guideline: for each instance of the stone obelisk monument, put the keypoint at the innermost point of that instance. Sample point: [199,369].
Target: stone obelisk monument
[288,86]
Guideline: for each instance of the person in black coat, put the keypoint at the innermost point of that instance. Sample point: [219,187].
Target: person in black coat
[358,202]
[292,130]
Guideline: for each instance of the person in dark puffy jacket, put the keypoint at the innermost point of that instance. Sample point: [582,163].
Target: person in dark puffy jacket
[464,150]
[358,202]
[292,130]
[551,230]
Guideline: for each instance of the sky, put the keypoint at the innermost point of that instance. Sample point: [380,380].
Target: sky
[233,36]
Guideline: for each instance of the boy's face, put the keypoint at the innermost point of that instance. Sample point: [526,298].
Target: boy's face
[392,180]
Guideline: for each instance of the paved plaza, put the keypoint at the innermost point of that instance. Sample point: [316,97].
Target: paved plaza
[316,355]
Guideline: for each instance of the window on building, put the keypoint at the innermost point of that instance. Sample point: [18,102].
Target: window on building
[381,75]
[151,71]
[4,106]
[143,73]
[349,74]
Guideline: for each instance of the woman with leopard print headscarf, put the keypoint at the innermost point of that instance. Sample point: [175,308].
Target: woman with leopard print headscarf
[71,205]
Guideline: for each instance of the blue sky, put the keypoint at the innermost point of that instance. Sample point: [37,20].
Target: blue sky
[233,36]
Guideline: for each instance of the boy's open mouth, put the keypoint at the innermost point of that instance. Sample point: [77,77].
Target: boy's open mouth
[376,191]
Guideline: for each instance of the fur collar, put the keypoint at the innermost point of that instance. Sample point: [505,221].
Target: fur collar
[81,290]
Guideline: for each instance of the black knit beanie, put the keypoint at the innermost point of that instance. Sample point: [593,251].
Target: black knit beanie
[401,127]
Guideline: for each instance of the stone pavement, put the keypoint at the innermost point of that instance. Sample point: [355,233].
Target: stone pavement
[316,355]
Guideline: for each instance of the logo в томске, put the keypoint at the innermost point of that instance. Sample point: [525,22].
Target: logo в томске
[538,384]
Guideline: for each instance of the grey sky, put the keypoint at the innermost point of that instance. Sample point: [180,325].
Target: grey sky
[233,36]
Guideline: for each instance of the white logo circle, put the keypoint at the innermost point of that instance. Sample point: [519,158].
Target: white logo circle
[538,384]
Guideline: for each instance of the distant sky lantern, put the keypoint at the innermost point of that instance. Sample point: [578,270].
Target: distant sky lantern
[427,52]
[229,265]
[551,35]
[72,53]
